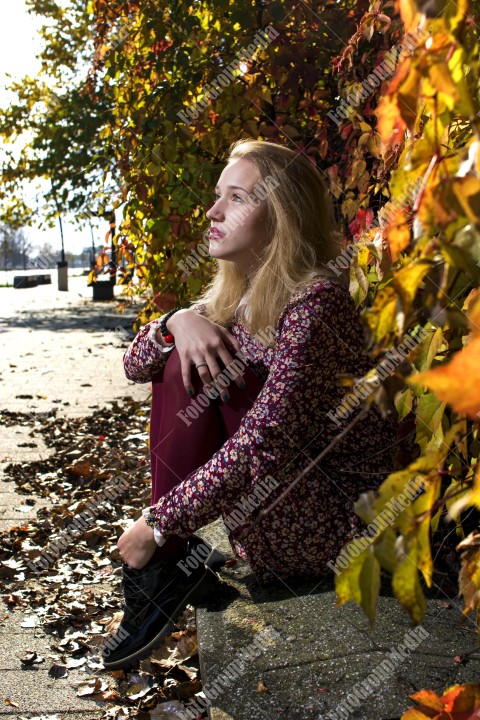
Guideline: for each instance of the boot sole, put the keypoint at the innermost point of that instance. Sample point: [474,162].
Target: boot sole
[196,593]
[216,560]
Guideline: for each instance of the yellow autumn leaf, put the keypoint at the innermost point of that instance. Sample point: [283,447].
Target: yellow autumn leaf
[381,317]
[409,14]
[469,577]
[404,403]
[406,586]
[475,496]
[472,306]
[434,208]
[358,274]
[384,549]
[430,411]
[347,583]
[407,280]
[422,506]
[395,485]
[408,95]
[455,13]
[441,80]
[398,234]
[429,349]
[391,126]
[467,192]
[458,382]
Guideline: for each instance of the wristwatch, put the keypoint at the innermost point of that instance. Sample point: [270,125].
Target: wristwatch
[157,535]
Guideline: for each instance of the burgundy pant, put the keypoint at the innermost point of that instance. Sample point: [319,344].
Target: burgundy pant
[180,446]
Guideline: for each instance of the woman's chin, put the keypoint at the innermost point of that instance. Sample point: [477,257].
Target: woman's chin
[215,250]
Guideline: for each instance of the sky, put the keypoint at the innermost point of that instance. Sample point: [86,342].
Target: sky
[19,45]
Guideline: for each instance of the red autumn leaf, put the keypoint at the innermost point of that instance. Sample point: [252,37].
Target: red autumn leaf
[363,219]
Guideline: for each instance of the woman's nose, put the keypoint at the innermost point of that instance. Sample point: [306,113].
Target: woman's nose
[215,212]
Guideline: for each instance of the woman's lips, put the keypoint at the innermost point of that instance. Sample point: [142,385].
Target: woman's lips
[216,234]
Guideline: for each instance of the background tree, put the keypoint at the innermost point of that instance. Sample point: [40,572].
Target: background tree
[168,63]
[6,234]
[54,124]
[15,247]
[21,248]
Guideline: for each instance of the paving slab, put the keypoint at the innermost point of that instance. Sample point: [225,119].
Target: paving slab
[20,507]
[61,353]
[312,655]
[32,689]
[22,443]
[60,715]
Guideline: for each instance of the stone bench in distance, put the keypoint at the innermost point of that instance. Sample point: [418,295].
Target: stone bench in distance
[44,279]
[25,281]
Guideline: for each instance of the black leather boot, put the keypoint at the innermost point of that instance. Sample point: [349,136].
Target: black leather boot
[156,596]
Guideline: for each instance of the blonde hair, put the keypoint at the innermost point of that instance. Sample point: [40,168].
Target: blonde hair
[301,239]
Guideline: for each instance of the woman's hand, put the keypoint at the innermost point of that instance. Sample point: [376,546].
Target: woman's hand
[137,544]
[199,340]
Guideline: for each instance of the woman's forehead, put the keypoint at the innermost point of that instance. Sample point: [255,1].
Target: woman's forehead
[240,173]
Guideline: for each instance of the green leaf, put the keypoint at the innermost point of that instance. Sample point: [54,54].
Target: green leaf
[430,412]
[347,583]
[369,583]
[404,403]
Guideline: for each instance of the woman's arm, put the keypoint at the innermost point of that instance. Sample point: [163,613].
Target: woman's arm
[202,341]
[197,340]
[315,341]
[146,355]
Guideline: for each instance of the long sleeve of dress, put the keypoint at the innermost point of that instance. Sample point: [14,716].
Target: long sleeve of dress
[144,358]
[317,336]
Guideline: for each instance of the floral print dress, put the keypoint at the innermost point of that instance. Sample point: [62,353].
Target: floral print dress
[317,337]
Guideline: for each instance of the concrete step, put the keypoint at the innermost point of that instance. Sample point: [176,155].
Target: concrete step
[287,651]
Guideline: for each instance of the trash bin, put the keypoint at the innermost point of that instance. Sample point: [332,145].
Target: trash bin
[103,290]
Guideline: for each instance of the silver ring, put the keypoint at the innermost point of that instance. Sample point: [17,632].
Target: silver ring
[200,365]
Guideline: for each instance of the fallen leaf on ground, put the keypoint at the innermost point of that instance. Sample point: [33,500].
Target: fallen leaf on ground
[29,622]
[140,686]
[172,710]
[32,659]
[13,599]
[90,688]
[75,597]
[58,671]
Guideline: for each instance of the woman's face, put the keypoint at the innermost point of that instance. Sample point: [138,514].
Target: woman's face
[238,218]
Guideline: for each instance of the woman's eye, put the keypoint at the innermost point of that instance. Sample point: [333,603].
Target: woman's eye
[235,196]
